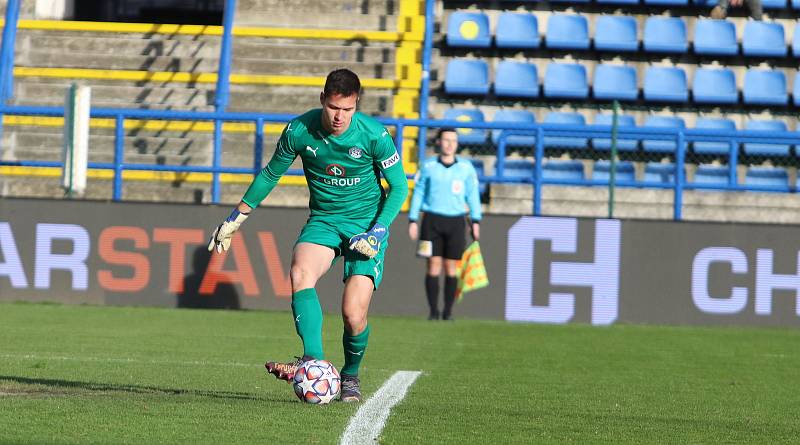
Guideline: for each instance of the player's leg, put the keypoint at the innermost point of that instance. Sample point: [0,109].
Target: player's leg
[362,276]
[454,245]
[310,260]
[355,305]
[434,264]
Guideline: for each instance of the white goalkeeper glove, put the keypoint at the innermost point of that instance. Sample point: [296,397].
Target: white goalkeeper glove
[221,238]
[369,243]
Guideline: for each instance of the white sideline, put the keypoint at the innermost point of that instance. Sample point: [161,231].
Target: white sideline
[368,422]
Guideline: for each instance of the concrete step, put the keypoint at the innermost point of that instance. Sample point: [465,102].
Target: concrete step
[60,59]
[316,18]
[130,44]
[370,52]
[323,7]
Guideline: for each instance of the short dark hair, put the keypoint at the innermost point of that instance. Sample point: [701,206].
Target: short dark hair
[343,82]
[444,130]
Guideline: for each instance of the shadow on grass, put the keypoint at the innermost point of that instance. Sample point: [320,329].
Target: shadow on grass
[66,387]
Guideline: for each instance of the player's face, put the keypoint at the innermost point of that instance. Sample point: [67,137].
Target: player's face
[337,112]
[448,143]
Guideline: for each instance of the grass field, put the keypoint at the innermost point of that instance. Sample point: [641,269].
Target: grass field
[82,374]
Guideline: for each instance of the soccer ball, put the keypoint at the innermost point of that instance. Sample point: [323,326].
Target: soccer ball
[316,382]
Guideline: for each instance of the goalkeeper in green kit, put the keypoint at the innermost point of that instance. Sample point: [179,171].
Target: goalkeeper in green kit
[344,153]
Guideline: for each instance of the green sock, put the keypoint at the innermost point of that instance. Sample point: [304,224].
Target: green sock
[308,321]
[354,347]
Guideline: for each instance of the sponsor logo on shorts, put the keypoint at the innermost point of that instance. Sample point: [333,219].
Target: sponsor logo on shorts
[355,152]
[391,161]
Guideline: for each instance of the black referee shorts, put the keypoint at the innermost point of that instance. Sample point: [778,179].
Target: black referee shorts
[447,234]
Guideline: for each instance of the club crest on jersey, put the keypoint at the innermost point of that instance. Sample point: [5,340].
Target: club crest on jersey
[335,170]
[355,152]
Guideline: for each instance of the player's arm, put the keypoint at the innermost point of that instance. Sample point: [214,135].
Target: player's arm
[388,161]
[420,189]
[473,200]
[259,188]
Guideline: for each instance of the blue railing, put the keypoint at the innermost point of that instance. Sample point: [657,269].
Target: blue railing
[682,137]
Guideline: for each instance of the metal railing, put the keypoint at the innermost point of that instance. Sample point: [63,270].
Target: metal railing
[681,137]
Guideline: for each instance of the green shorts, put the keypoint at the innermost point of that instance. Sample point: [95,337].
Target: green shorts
[336,233]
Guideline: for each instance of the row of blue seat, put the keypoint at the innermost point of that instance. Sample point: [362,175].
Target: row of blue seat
[618,33]
[766,4]
[476,136]
[619,82]
[654,172]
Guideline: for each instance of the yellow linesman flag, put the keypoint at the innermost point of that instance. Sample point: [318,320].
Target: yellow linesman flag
[471,271]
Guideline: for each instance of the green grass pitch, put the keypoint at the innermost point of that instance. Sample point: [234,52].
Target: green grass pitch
[84,374]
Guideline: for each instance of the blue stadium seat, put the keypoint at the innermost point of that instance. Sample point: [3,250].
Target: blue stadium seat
[665,35]
[615,33]
[467,136]
[796,36]
[617,2]
[659,172]
[615,82]
[766,149]
[714,86]
[468,29]
[623,120]
[667,2]
[711,174]
[480,169]
[517,31]
[555,117]
[516,116]
[773,4]
[665,84]
[567,31]
[623,171]
[518,168]
[767,177]
[715,37]
[468,77]
[516,79]
[763,39]
[796,88]
[567,80]
[570,170]
[765,87]
[662,121]
[714,148]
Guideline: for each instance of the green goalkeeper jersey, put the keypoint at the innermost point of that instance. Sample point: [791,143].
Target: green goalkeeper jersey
[343,172]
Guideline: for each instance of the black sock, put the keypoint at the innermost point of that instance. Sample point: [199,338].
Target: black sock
[432,291]
[449,295]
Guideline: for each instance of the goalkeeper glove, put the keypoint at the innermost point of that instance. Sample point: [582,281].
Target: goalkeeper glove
[221,238]
[369,243]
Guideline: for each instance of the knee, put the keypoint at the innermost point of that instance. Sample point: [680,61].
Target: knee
[301,277]
[354,324]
